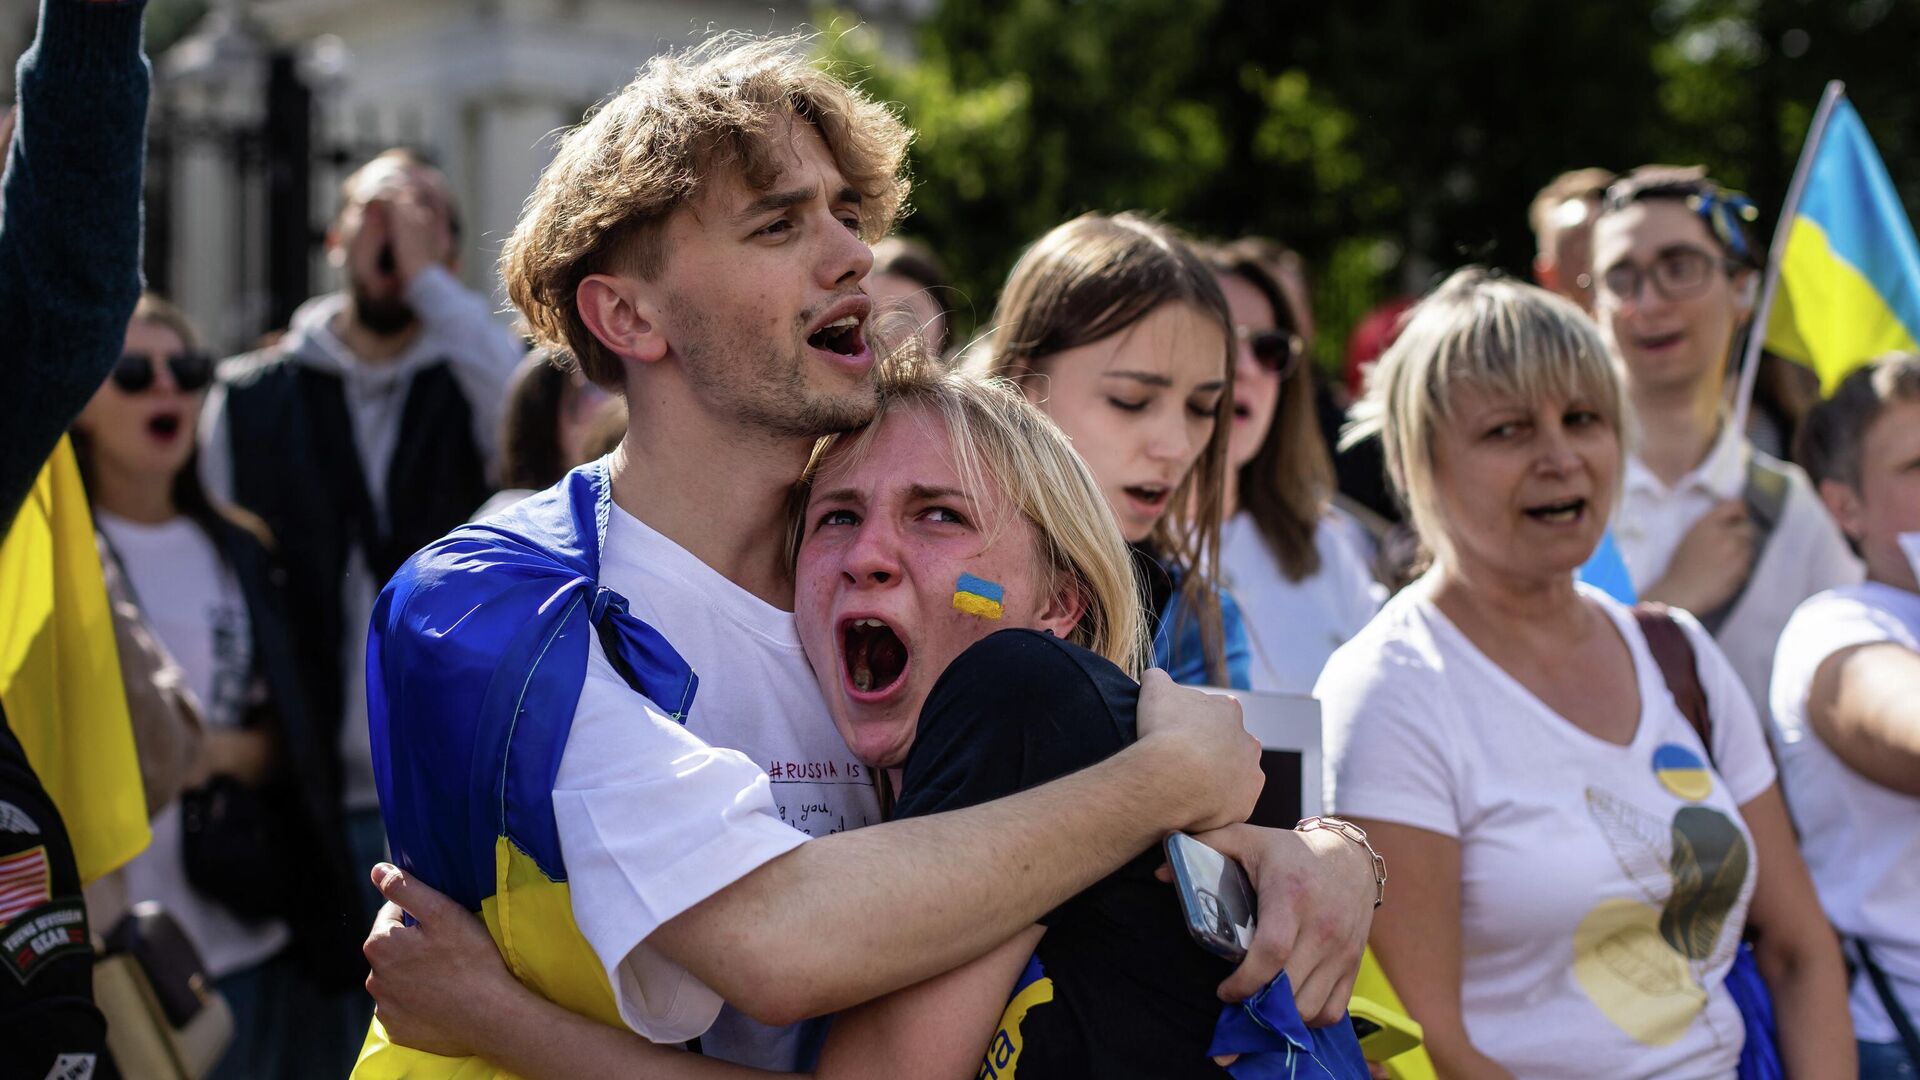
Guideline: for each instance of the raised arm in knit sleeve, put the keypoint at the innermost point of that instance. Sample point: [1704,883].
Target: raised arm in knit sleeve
[69,226]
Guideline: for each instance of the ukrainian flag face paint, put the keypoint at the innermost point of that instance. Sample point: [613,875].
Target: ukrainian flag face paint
[1681,772]
[978,596]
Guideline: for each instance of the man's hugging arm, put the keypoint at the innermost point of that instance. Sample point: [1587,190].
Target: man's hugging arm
[844,919]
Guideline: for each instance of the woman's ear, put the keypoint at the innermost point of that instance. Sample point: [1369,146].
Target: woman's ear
[619,311]
[1065,608]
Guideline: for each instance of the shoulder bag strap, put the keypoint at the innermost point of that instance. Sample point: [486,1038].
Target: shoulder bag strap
[1674,653]
[1884,990]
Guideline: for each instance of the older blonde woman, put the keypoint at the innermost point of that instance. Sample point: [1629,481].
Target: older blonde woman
[1579,865]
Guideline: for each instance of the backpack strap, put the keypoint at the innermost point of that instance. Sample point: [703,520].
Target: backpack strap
[1674,653]
[1902,1023]
[1765,494]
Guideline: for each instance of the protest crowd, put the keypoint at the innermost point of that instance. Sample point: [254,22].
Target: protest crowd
[726,666]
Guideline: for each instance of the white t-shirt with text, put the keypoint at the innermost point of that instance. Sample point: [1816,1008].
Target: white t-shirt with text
[1861,840]
[194,605]
[655,817]
[1603,888]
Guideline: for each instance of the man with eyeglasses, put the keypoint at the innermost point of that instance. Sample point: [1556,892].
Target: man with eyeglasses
[1706,522]
[1562,219]
[367,432]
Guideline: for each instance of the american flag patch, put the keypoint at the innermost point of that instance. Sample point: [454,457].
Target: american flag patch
[24,883]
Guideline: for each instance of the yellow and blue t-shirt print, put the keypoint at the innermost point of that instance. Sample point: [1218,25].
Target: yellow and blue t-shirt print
[978,596]
[1032,989]
[1644,961]
[1682,773]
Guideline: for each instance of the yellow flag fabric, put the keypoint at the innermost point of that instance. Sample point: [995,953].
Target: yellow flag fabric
[60,675]
[531,919]
[1372,984]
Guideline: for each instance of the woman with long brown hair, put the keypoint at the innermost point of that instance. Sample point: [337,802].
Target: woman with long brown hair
[1303,590]
[1116,328]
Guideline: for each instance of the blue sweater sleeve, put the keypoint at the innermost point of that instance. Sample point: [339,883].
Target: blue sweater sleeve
[69,226]
[1180,650]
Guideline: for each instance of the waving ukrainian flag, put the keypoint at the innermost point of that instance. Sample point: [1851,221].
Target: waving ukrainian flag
[1849,284]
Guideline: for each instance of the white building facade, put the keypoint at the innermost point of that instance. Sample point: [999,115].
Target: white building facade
[482,87]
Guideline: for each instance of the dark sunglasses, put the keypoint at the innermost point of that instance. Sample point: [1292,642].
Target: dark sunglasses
[191,371]
[1276,350]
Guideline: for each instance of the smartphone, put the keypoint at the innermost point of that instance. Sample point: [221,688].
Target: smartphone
[1384,1033]
[1215,896]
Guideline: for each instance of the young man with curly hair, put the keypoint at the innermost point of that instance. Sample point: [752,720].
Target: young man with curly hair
[592,714]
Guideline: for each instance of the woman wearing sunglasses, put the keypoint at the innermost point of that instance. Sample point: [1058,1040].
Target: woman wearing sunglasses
[1303,591]
[246,860]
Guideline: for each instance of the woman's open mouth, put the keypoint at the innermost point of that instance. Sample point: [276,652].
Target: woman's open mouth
[1149,498]
[164,426]
[874,658]
[1564,512]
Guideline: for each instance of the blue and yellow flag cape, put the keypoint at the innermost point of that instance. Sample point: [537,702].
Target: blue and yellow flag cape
[474,665]
[1849,287]
[60,671]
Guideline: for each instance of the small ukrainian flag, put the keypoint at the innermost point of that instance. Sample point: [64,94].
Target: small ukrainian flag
[978,596]
[1849,274]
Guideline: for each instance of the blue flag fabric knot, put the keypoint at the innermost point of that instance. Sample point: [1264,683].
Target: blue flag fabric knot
[1275,1043]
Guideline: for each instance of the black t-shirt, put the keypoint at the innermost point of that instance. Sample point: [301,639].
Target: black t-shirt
[1117,987]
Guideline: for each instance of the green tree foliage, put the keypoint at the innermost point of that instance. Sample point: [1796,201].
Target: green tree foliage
[1387,141]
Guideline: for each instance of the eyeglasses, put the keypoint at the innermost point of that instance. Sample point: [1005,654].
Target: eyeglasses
[1276,350]
[1680,273]
[135,371]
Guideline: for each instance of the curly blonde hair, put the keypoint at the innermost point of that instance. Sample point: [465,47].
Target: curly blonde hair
[653,147]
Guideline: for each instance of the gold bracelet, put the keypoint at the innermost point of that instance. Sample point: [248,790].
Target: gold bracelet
[1356,835]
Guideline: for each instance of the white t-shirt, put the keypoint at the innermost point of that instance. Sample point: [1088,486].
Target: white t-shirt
[1567,842]
[655,817]
[1861,840]
[1804,555]
[1293,626]
[194,605]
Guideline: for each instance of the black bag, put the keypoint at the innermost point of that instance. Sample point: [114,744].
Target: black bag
[237,848]
[164,1017]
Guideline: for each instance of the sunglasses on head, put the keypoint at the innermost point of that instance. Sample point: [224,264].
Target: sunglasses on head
[191,370]
[1276,350]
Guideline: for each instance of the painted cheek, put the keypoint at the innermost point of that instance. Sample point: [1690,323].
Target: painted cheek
[979,597]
